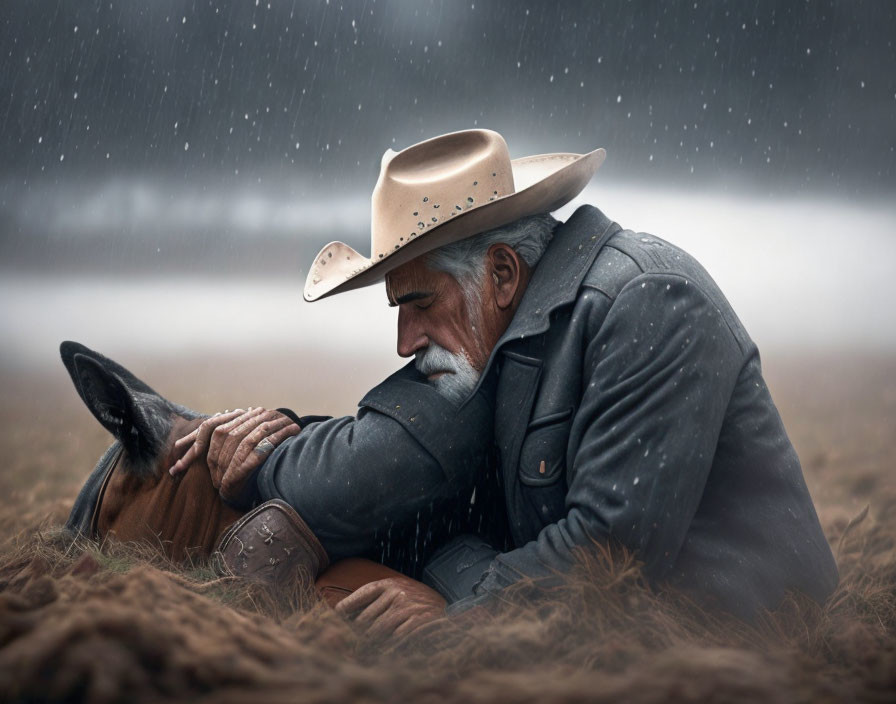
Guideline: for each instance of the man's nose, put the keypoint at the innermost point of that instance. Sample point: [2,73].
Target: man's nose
[410,333]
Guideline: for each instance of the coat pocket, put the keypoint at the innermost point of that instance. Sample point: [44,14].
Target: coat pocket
[543,453]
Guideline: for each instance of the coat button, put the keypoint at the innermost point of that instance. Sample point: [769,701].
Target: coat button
[541,467]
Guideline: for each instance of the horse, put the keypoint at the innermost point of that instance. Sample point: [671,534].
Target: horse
[130,497]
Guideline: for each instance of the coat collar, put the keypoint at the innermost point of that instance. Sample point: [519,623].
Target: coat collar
[558,274]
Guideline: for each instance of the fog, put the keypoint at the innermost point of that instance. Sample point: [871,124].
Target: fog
[166,168]
[802,273]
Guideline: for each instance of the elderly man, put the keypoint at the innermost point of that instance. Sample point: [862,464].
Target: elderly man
[572,383]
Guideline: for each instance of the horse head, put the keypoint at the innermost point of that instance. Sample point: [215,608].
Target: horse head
[129,495]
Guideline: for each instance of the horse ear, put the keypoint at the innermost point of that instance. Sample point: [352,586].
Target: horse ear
[135,414]
[69,349]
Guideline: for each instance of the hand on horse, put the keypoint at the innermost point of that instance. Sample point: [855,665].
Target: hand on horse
[393,607]
[235,444]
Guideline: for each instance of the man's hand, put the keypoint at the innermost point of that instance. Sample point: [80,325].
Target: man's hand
[235,444]
[395,606]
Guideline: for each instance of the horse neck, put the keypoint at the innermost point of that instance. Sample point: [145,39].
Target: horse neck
[185,517]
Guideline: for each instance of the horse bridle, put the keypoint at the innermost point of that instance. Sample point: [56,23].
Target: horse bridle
[112,464]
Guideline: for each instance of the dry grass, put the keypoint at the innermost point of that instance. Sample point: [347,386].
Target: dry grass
[116,623]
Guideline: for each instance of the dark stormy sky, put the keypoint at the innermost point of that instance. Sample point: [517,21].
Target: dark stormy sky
[299,99]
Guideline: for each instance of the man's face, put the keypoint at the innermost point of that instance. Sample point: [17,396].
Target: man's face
[435,323]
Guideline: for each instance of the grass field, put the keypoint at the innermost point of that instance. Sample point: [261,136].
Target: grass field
[79,623]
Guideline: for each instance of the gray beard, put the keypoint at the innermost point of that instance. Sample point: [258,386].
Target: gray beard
[460,377]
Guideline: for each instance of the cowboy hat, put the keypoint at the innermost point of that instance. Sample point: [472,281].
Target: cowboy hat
[444,190]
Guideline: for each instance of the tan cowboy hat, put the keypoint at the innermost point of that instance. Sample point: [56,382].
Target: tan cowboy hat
[444,190]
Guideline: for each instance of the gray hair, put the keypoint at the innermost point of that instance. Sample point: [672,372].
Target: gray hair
[465,260]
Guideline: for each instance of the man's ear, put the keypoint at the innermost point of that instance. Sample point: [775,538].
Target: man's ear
[508,272]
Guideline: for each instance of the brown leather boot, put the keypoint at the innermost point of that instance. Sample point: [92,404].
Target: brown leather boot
[272,544]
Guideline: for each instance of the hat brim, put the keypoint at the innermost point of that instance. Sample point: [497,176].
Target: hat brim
[543,183]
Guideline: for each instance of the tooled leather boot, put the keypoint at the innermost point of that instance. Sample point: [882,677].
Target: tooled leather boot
[273,545]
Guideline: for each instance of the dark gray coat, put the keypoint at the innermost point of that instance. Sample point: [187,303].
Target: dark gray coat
[388,483]
[629,405]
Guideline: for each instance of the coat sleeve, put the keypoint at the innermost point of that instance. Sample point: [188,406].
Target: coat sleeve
[407,450]
[657,377]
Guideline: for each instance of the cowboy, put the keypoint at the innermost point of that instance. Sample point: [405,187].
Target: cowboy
[572,382]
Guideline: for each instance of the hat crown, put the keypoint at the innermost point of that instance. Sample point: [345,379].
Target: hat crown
[432,182]
[444,190]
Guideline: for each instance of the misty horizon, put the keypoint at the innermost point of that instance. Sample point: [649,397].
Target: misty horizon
[801,273]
